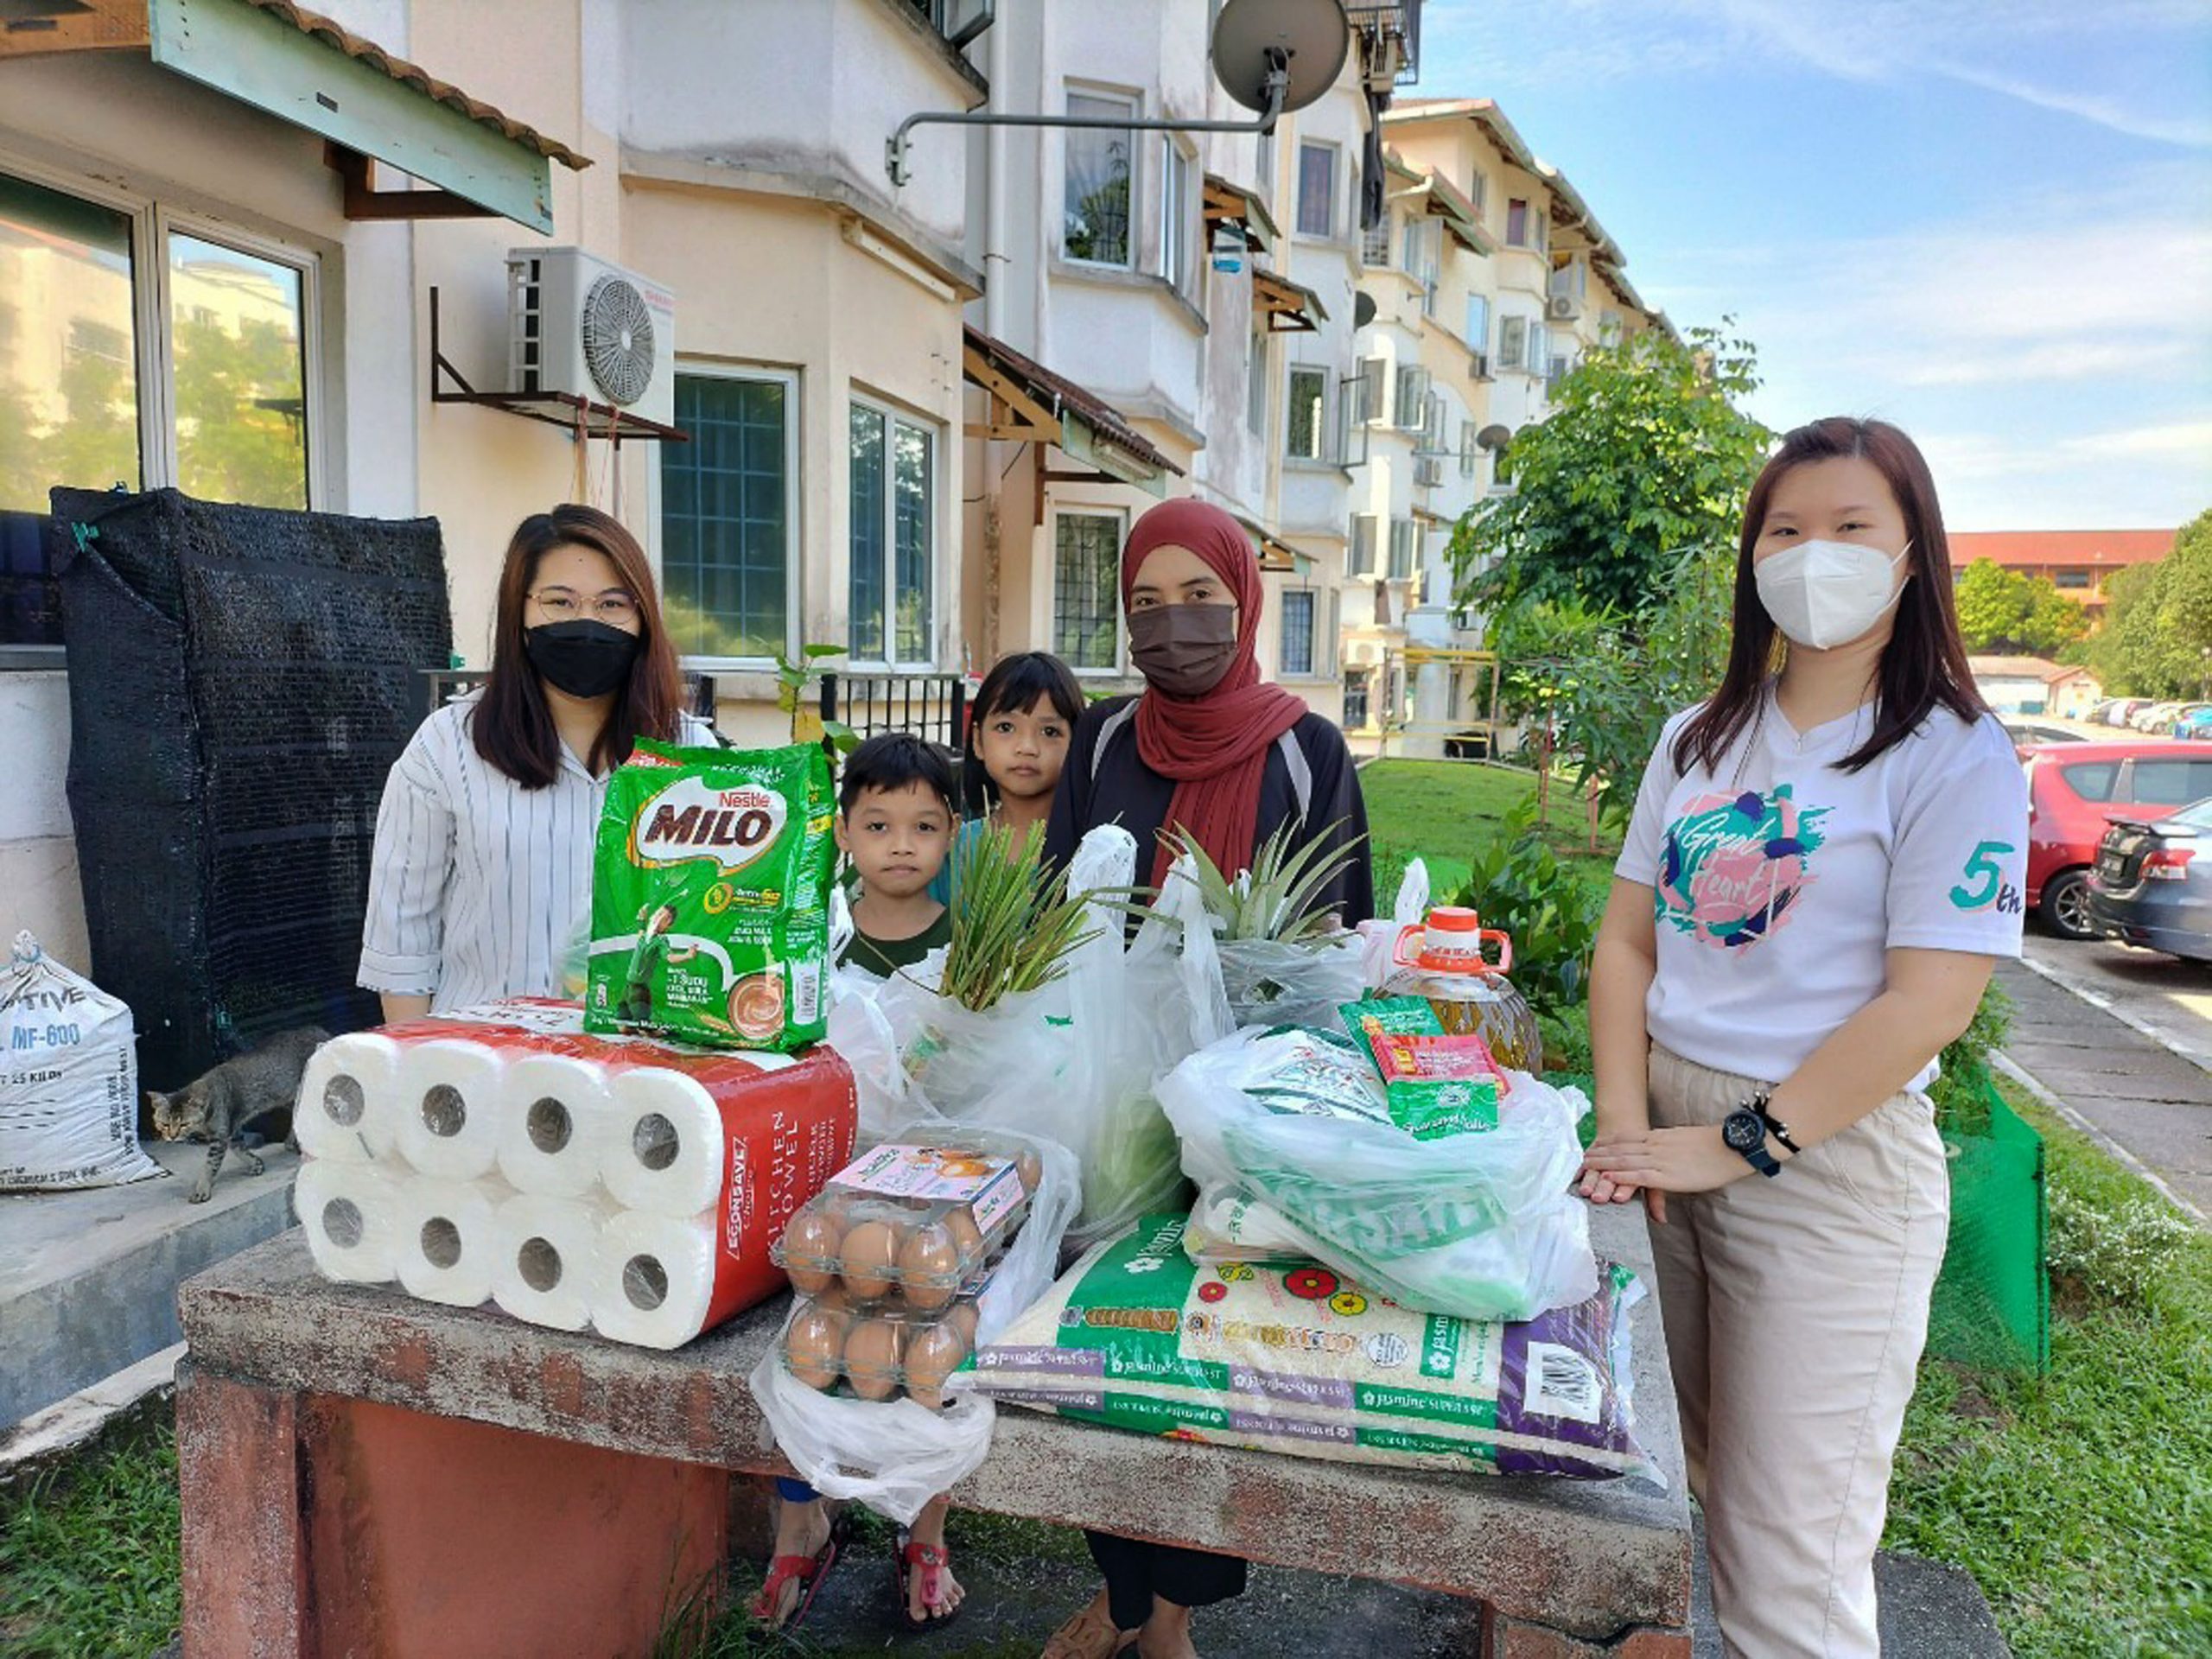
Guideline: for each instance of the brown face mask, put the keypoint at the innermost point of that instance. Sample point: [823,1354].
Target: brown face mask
[1183,650]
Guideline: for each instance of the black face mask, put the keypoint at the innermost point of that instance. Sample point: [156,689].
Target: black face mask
[585,658]
[1183,650]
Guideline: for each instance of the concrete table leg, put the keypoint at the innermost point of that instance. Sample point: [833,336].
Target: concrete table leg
[1508,1638]
[314,1524]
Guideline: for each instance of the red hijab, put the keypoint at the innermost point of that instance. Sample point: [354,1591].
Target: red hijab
[1214,746]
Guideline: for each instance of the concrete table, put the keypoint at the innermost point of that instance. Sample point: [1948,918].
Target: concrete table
[364,1473]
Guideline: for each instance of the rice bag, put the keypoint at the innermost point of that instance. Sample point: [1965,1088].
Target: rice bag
[1300,1359]
[710,898]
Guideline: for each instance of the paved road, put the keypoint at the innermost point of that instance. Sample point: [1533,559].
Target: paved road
[2098,1027]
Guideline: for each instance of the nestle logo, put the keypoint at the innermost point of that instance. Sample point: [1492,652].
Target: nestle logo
[691,819]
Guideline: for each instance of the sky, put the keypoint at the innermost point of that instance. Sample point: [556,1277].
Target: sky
[1989,221]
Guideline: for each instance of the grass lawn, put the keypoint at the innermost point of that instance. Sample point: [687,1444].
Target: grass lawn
[1443,809]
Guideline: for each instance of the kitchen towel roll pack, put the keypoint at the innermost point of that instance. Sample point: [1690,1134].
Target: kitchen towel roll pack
[618,1184]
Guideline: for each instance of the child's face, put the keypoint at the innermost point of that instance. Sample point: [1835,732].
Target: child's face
[1023,752]
[897,838]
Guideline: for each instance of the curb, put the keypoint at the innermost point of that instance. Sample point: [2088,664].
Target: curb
[50,1434]
[2112,1148]
[2104,1004]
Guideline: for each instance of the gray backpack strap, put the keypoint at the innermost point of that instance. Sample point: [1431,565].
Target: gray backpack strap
[1301,775]
[1108,729]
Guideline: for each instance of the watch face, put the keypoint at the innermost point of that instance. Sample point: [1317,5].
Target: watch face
[1742,1131]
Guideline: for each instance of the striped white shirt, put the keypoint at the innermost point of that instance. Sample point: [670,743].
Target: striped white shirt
[478,885]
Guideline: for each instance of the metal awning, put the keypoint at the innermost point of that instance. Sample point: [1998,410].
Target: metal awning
[305,69]
[1288,307]
[1241,211]
[1031,404]
[1279,556]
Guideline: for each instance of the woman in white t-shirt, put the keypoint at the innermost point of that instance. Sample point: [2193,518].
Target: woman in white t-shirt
[1825,862]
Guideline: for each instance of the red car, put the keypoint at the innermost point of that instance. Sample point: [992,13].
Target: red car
[2074,789]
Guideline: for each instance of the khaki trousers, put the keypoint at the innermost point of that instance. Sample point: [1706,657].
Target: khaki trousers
[1796,1309]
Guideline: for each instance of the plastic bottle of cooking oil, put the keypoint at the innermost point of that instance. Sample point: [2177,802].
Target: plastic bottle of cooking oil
[1447,960]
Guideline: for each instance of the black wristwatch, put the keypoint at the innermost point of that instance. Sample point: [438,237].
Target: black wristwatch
[1744,1132]
[1762,1103]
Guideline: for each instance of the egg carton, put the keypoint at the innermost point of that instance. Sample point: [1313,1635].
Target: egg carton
[879,1352]
[909,1219]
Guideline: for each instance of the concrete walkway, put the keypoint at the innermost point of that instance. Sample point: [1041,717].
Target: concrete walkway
[2150,1106]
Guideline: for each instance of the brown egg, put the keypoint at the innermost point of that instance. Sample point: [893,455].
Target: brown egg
[933,1353]
[813,1344]
[872,1358]
[810,1250]
[1031,1168]
[929,1266]
[963,1319]
[966,1237]
[871,1256]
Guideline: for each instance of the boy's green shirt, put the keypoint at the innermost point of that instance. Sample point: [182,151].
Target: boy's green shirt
[887,957]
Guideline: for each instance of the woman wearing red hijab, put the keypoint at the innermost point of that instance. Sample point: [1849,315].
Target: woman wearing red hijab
[1210,749]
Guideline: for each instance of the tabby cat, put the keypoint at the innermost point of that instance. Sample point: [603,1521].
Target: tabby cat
[217,1107]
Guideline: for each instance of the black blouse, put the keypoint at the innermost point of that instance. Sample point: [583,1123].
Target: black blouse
[1116,786]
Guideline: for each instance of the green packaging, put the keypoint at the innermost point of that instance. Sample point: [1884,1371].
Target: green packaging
[1404,1016]
[710,898]
[1434,1084]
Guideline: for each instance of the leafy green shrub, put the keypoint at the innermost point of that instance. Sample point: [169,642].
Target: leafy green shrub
[1519,884]
[1960,1091]
[2117,1254]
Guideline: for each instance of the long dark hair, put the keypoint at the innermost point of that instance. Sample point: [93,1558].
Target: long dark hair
[513,727]
[1925,664]
[1013,687]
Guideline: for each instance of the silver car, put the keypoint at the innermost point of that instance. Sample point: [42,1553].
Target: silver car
[2152,884]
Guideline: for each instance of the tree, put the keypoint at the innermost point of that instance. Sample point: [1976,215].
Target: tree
[1644,454]
[2003,610]
[2157,639]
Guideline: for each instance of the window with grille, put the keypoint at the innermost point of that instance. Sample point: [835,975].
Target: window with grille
[1412,410]
[1297,632]
[1512,341]
[891,512]
[1356,683]
[1086,590]
[1307,427]
[1099,189]
[1375,244]
[1405,542]
[727,540]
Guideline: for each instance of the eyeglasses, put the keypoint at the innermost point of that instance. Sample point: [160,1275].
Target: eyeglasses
[616,609]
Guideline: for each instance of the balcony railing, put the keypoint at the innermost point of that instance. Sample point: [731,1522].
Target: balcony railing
[1389,36]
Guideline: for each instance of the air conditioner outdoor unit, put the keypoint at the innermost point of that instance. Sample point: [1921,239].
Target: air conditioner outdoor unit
[576,323]
[1427,474]
[1562,309]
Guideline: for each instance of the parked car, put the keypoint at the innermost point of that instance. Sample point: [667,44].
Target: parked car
[2120,712]
[2076,790]
[2149,887]
[2029,734]
[2197,722]
[2149,720]
[2182,716]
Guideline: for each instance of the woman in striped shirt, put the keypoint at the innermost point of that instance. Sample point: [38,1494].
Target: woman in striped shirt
[482,867]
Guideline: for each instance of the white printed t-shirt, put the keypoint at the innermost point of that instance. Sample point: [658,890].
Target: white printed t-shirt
[1778,881]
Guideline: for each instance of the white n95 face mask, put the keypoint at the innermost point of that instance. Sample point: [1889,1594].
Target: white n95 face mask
[1823,594]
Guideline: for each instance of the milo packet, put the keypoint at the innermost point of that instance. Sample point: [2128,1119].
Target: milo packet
[710,898]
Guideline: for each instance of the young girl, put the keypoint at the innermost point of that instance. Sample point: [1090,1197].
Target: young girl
[1824,865]
[1018,730]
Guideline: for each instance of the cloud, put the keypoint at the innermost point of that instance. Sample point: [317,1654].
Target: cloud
[2195,133]
[2181,441]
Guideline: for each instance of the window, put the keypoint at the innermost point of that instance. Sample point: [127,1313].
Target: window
[1411,412]
[1175,214]
[1356,715]
[2168,783]
[224,412]
[1255,386]
[2076,580]
[1317,189]
[1405,542]
[1431,430]
[1371,372]
[892,510]
[1359,557]
[1466,449]
[1086,590]
[1512,341]
[1308,423]
[2092,780]
[1609,329]
[1297,632]
[1561,365]
[1478,321]
[1375,244]
[1516,223]
[1097,193]
[726,547]
[1539,348]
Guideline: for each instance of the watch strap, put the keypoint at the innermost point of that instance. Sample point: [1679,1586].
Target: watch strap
[1762,1105]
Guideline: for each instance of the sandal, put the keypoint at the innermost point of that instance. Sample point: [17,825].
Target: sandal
[808,1571]
[1089,1634]
[932,1559]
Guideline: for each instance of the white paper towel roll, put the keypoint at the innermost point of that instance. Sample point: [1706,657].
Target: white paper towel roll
[552,1114]
[543,1269]
[351,1213]
[449,1239]
[663,1147]
[653,1278]
[447,1107]
[345,1110]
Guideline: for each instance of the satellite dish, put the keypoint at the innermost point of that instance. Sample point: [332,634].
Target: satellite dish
[1363,310]
[1310,38]
[1494,438]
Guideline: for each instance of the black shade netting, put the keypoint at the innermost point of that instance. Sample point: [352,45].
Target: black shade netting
[241,680]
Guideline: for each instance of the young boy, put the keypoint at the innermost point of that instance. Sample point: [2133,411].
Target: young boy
[895,823]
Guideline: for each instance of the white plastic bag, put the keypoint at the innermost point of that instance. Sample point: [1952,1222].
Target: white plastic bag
[68,1081]
[1481,1225]
[896,1455]
[1379,938]
[1270,983]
